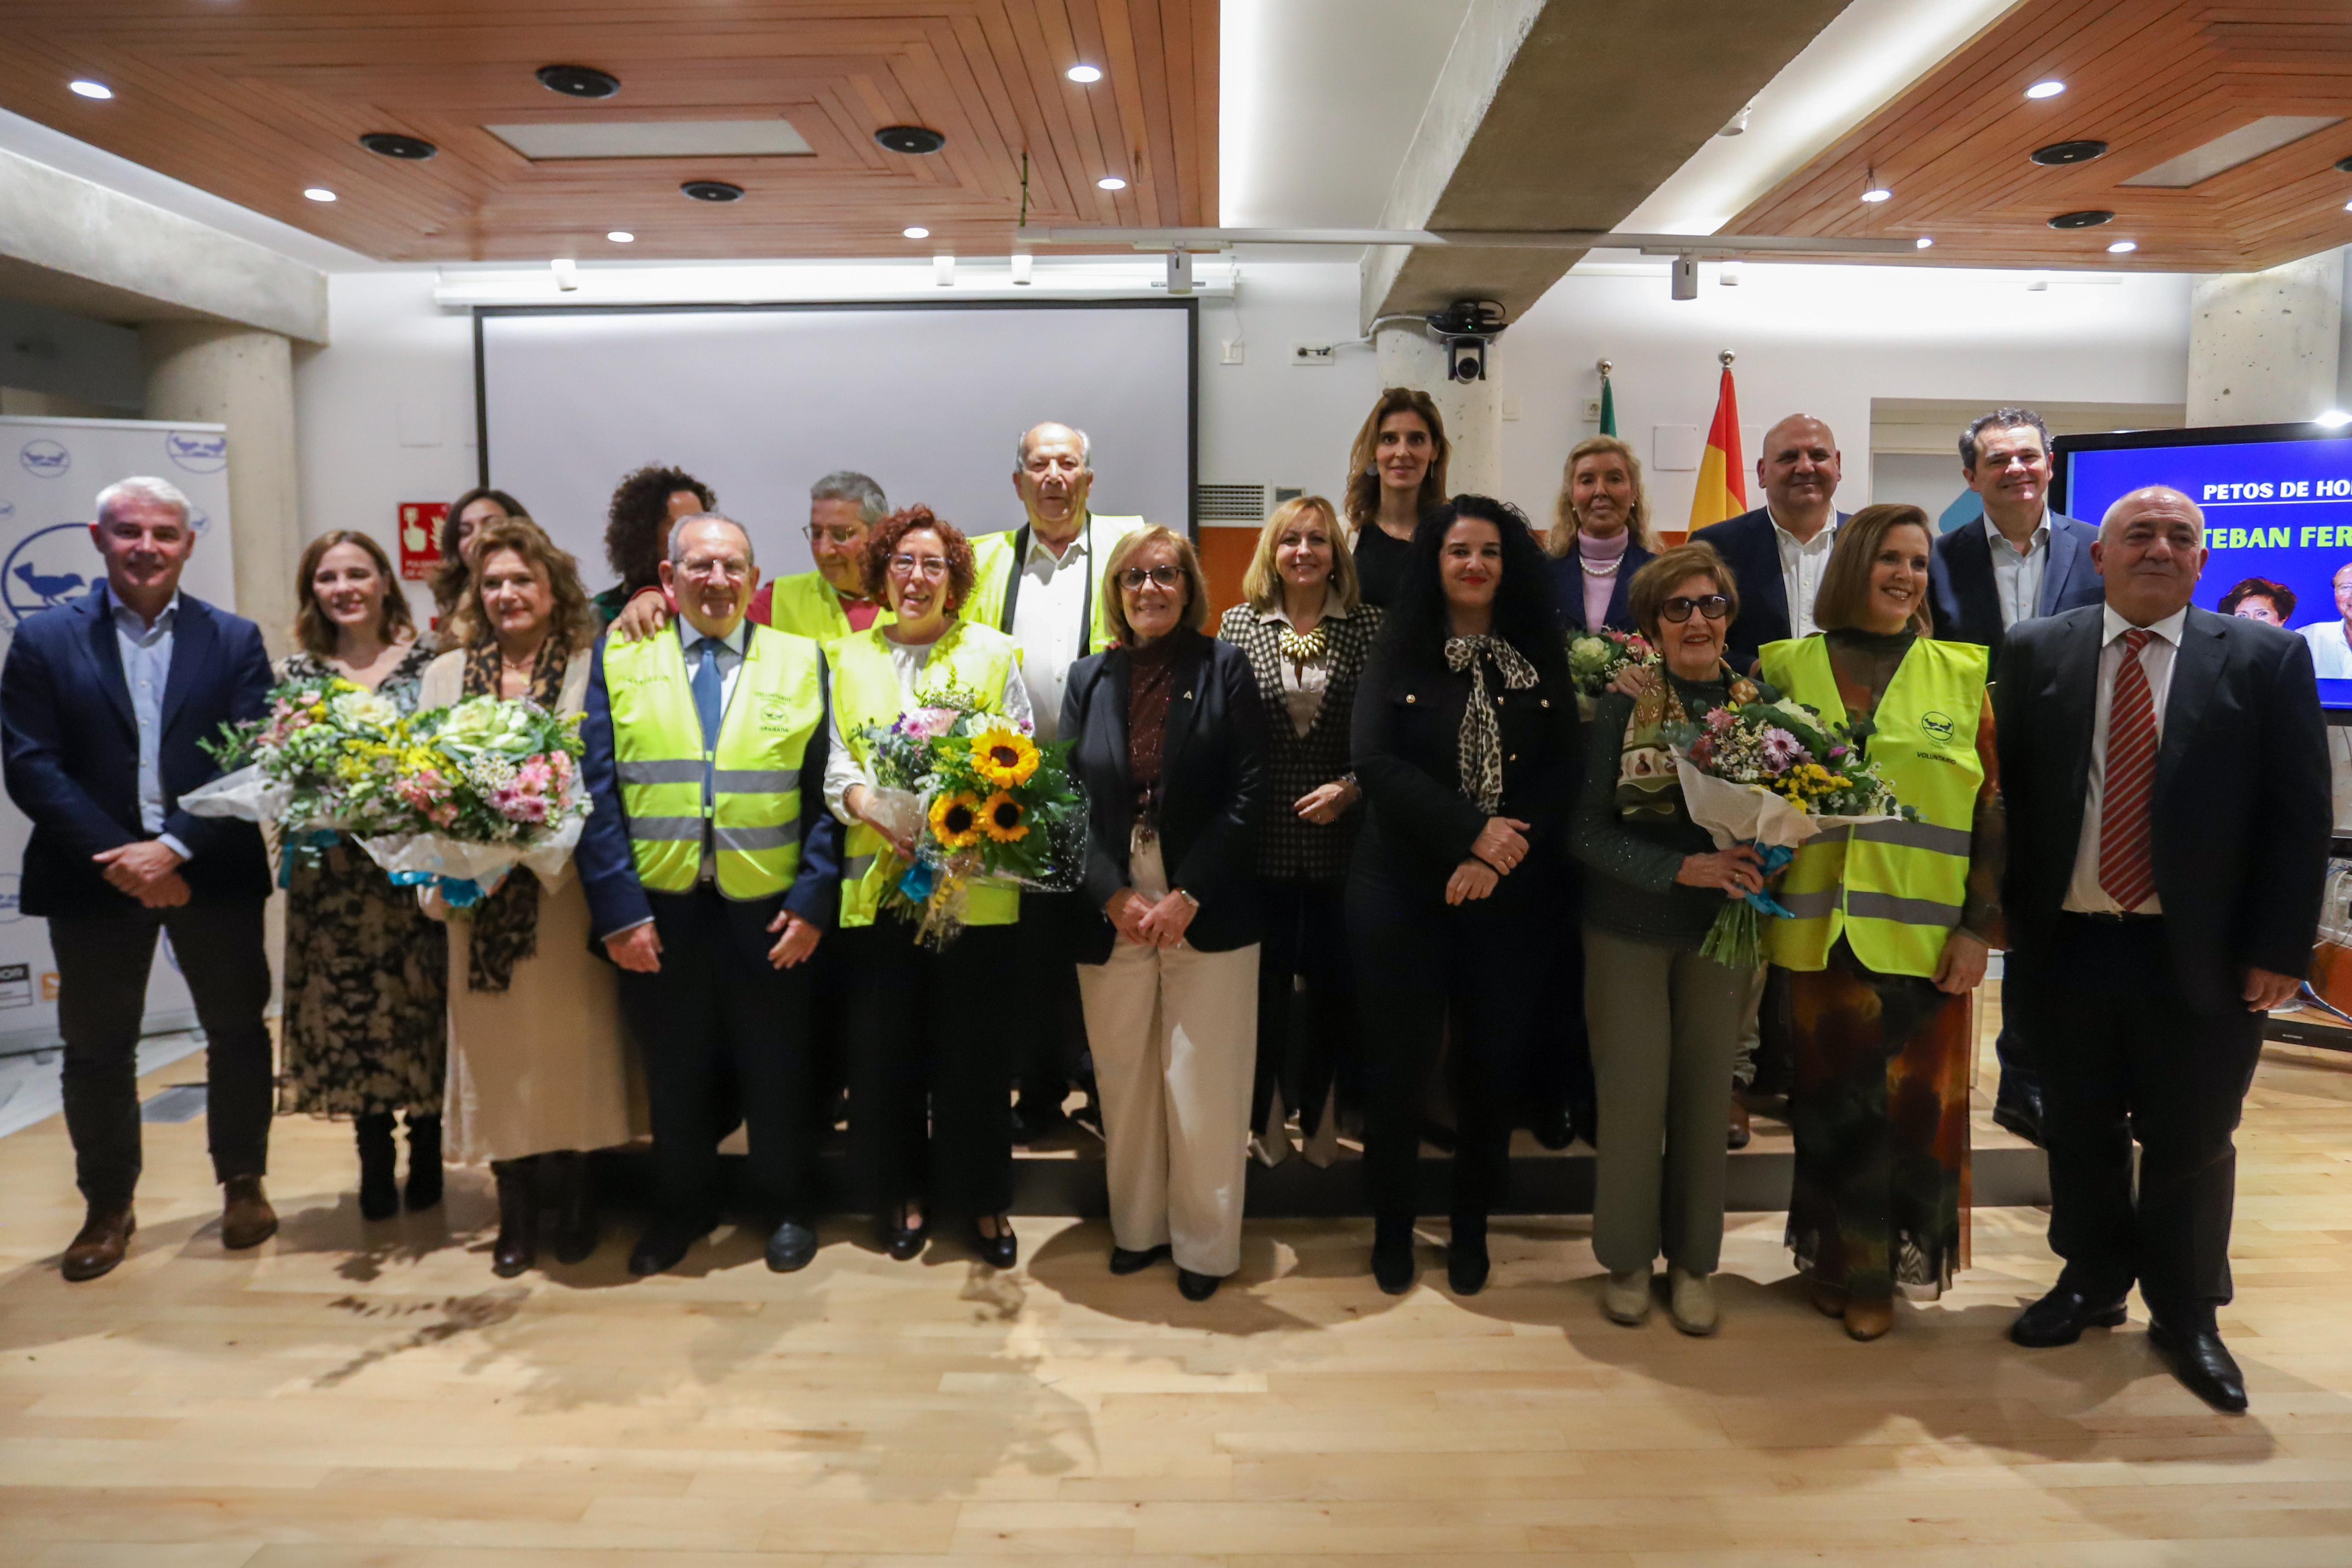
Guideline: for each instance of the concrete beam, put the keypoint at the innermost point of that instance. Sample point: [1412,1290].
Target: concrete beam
[2264,346]
[71,245]
[1566,114]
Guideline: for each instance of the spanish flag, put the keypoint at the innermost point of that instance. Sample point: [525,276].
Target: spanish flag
[1722,473]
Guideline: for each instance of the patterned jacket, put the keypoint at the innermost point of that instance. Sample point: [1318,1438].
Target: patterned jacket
[1290,848]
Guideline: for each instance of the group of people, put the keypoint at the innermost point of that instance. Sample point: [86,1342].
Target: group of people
[1362,858]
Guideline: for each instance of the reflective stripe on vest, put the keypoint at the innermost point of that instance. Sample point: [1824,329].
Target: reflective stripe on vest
[865,693]
[1893,890]
[754,813]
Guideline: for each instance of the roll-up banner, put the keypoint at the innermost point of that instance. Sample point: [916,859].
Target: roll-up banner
[52,471]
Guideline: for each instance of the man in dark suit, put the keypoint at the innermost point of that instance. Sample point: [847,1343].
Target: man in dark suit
[2022,560]
[2167,780]
[1779,551]
[712,870]
[103,704]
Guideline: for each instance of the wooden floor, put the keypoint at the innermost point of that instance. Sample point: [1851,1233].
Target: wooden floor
[348,1396]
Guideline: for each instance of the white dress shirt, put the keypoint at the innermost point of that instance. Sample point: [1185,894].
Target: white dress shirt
[1045,622]
[842,769]
[2083,893]
[147,671]
[1802,562]
[2331,656]
[2017,573]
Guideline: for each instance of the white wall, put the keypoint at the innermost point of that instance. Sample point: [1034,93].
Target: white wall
[386,414]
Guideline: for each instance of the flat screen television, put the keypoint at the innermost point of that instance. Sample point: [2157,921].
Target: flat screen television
[2278,519]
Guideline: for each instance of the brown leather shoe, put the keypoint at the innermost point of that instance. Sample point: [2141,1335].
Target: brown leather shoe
[1738,1132]
[1869,1317]
[247,1218]
[105,1236]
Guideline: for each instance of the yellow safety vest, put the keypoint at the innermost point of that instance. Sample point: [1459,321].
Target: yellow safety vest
[753,813]
[1893,890]
[994,564]
[806,606]
[865,693]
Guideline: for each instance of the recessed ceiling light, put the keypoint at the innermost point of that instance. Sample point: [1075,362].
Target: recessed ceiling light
[1083,74]
[319,194]
[2334,419]
[1925,241]
[2122,247]
[1111,182]
[578,81]
[393,144]
[91,89]
[1878,194]
[621,236]
[910,138]
[2045,89]
[916,231]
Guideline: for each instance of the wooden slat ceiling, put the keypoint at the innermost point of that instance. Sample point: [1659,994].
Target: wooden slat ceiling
[256,99]
[2153,79]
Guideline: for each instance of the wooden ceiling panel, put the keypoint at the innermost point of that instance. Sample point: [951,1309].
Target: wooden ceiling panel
[255,102]
[2153,79]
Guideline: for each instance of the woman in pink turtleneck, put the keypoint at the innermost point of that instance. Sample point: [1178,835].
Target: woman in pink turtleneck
[1601,537]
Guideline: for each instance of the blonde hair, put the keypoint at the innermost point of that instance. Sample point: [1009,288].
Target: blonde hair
[1363,492]
[574,620]
[1843,602]
[1262,584]
[1188,560]
[1564,527]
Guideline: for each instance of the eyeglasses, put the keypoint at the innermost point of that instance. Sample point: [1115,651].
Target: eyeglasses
[933,567]
[1134,577]
[1714,606]
[842,537]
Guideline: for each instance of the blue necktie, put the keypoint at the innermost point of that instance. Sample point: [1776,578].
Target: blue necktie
[708,690]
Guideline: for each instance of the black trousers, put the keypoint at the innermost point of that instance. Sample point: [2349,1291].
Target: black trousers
[1305,1010]
[717,1013]
[2122,1057]
[102,967]
[1469,976]
[934,1030]
[1051,1051]
[1556,1070]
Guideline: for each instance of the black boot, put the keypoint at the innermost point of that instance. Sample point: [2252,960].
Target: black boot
[575,1207]
[423,1190]
[517,1247]
[379,1189]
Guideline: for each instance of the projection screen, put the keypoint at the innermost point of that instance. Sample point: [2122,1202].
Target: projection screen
[759,401]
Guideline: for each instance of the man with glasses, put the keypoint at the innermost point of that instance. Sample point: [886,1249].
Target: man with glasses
[712,870]
[831,601]
[2021,562]
[1042,583]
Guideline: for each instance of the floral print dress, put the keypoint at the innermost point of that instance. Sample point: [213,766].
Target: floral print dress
[366,1013]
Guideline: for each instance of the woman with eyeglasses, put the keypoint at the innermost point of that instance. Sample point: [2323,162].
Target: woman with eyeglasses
[1893,925]
[1664,1017]
[930,1031]
[1169,742]
[1465,742]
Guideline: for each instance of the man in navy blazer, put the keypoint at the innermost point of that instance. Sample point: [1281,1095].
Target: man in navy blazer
[2165,775]
[1778,552]
[103,704]
[2023,561]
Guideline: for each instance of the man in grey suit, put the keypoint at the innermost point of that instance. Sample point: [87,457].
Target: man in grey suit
[2020,561]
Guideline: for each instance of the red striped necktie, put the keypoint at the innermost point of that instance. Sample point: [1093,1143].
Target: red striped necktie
[2126,853]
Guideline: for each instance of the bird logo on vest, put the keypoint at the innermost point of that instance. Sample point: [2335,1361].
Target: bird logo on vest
[776,715]
[1939,725]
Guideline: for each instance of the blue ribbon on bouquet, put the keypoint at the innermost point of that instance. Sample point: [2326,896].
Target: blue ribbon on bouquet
[456,892]
[307,844]
[920,879]
[1776,856]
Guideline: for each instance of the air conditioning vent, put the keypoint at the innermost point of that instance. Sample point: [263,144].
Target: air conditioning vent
[1231,503]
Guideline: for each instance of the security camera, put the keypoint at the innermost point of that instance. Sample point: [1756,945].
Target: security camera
[1467,327]
[1465,358]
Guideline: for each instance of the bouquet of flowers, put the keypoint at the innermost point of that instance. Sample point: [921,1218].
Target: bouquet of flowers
[980,800]
[1596,658]
[491,783]
[326,756]
[1774,775]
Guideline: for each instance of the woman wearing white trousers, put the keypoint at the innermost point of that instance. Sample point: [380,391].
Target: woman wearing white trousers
[1169,743]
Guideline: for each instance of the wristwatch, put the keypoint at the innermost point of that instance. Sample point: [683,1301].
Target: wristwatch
[1187,898]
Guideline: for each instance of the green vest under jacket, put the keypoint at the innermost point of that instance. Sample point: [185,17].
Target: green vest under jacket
[754,810]
[865,693]
[1893,890]
[806,605]
[995,564]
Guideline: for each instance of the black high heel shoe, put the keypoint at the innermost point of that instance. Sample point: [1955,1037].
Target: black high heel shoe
[1000,1250]
[379,1188]
[898,1239]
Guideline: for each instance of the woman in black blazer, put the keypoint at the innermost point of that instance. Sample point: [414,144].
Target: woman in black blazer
[1169,742]
[1465,744]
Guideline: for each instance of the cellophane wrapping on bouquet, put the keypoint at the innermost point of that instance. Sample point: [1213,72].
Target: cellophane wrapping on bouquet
[1773,776]
[326,757]
[982,804]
